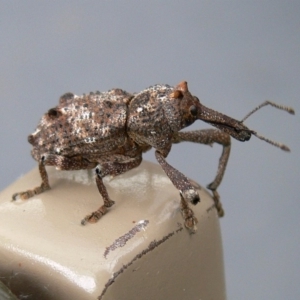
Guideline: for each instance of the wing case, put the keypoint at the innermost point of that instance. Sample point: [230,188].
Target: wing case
[81,125]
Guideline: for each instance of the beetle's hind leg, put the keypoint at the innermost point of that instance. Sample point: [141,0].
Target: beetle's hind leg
[208,137]
[60,162]
[37,190]
[113,169]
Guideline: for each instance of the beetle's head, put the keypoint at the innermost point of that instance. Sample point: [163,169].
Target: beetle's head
[188,104]
[191,110]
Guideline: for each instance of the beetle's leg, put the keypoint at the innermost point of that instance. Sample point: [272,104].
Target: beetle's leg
[37,190]
[61,163]
[208,137]
[103,170]
[187,191]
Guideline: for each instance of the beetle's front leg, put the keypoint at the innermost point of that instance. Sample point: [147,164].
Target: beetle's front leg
[37,190]
[187,192]
[103,170]
[208,137]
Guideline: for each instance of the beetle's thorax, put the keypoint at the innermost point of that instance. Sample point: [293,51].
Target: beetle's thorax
[157,113]
[146,121]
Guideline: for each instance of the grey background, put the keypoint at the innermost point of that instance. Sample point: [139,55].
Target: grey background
[234,55]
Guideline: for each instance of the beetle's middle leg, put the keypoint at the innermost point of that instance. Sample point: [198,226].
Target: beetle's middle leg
[208,137]
[114,169]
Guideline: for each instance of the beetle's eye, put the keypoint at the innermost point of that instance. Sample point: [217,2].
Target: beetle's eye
[193,110]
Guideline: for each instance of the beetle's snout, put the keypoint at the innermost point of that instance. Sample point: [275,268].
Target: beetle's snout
[227,124]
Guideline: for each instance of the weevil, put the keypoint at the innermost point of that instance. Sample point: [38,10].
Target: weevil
[109,131]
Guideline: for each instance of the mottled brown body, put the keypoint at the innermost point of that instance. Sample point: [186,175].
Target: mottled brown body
[111,131]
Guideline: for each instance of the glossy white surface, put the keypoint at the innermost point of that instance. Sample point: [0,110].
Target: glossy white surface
[45,251]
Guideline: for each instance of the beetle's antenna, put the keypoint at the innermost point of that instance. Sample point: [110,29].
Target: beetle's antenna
[282,107]
[274,143]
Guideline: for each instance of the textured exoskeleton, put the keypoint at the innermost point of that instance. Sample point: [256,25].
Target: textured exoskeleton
[111,131]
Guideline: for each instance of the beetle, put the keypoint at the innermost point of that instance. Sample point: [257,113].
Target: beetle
[109,131]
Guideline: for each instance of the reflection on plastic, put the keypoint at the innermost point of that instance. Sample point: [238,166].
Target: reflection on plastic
[85,282]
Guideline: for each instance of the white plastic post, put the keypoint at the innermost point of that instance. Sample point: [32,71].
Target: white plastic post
[139,250]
